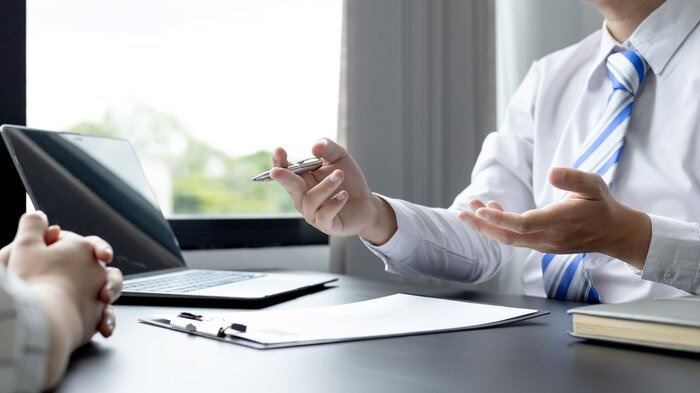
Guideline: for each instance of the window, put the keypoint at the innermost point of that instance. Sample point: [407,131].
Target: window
[75,79]
[205,90]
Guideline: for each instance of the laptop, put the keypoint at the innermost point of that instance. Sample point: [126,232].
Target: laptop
[95,185]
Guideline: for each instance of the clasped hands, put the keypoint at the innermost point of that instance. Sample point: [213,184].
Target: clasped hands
[67,265]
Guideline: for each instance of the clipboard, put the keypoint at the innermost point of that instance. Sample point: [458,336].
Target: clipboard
[389,316]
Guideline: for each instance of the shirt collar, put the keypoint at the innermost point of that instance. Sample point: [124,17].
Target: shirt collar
[659,36]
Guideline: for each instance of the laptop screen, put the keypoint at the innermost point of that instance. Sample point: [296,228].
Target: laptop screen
[95,185]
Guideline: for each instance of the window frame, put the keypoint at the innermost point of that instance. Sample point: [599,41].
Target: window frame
[222,233]
[13,109]
[193,233]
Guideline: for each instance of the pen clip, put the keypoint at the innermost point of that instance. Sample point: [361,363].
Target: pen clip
[188,315]
[306,165]
[239,327]
[308,160]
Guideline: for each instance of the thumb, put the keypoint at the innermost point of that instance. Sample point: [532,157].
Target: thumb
[328,150]
[5,254]
[32,227]
[587,185]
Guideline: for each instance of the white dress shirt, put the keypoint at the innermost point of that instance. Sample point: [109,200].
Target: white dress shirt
[23,337]
[557,105]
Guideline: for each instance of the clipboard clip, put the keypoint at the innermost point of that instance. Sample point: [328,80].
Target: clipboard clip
[188,315]
[239,327]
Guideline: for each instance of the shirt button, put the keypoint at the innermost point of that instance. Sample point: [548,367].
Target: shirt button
[668,276]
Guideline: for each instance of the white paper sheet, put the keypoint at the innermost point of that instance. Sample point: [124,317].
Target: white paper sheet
[399,314]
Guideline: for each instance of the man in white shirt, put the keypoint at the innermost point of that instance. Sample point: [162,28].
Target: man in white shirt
[638,236]
[55,293]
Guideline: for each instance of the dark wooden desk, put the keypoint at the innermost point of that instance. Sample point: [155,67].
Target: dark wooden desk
[529,356]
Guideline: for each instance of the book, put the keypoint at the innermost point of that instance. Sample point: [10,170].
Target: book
[669,323]
[389,316]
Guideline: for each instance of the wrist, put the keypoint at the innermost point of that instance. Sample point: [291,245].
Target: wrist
[633,236]
[64,328]
[383,224]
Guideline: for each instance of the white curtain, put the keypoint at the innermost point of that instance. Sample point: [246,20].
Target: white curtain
[528,30]
[418,97]
[421,86]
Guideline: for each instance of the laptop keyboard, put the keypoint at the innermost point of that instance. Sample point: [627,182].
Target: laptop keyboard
[188,281]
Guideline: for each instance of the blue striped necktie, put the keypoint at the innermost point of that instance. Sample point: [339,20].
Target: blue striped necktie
[563,274]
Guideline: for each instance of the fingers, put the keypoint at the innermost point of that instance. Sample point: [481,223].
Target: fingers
[31,229]
[285,178]
[325,216]
[476,204]
[103,251]
[108,322]
[112,289]
[53,233]
[295,185]
[491,216]
[109,293]
[528,222]
[585,183]
[279,158]
[5,254]
[497,232]
[328,150]
[317,196]
[495,205]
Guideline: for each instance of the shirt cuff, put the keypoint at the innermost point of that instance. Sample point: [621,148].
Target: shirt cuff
[401,245]
[674,254]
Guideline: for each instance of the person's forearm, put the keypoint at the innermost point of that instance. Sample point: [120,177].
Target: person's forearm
[65,330]
[383,224]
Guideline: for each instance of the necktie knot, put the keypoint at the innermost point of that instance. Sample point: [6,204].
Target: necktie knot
[626,70]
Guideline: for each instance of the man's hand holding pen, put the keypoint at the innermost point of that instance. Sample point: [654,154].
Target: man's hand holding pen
[335,198]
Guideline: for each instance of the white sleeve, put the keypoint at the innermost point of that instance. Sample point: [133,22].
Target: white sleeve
[23,337]
[674,254]
[432,242]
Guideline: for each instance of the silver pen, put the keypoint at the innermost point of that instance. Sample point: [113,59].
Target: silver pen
[307,165]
